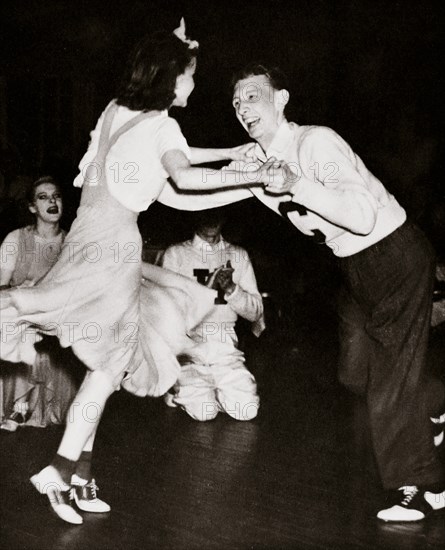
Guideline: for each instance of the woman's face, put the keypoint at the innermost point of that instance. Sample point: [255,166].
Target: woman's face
[184,86]
[47,205]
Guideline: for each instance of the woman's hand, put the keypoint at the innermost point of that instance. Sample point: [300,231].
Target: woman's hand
[243,153]
[277,177]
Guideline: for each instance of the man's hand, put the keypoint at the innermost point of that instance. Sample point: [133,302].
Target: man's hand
[277,177]
[224,278]
[211,281]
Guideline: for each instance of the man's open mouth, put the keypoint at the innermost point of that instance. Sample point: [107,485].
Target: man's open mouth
[251,122]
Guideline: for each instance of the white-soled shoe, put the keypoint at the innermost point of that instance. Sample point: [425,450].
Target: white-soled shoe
[435,500]
[60,495]
[85,495]
[16,420]
[414,505]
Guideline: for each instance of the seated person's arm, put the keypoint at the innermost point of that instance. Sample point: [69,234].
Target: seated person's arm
[9,252]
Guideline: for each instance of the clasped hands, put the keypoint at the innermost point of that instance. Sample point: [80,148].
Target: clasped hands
[275,175]
[222,279]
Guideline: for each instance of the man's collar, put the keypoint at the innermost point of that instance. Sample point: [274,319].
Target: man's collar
[280,142]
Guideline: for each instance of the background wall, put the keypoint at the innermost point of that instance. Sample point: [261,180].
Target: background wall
[369,69]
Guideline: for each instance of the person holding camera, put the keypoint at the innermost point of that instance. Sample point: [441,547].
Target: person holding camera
[213,376]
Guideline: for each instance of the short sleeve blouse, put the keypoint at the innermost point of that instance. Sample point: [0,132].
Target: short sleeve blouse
[134,171]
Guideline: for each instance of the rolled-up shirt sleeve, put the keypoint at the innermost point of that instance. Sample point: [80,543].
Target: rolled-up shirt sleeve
[332,181]
[246,300]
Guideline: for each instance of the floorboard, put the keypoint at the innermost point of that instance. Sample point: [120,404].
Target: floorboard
[301,475]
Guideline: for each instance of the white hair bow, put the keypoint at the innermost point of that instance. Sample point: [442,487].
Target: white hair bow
[180,33]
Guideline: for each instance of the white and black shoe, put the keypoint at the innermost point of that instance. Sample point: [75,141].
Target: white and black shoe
[60,495]
[85,495]
[413,505]
[439,428]
[16,420]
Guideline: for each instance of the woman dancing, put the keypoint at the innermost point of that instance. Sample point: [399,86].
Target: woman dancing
[90,299]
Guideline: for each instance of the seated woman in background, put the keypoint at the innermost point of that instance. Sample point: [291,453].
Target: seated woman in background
[39,394]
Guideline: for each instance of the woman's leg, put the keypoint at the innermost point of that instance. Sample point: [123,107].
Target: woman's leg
[83,482]
[81,425]
[84,414]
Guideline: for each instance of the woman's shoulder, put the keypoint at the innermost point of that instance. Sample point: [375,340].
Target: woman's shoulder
[168,123]
[17,234]
[150,123]
[161,128]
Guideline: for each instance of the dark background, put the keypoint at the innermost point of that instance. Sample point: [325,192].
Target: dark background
[370,69]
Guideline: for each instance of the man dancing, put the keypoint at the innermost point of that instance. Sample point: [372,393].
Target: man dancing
[388,268]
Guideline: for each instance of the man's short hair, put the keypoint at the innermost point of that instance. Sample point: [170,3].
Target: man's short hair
[210,217]
[276,76]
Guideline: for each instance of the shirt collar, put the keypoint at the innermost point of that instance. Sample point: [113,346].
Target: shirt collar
[280,142]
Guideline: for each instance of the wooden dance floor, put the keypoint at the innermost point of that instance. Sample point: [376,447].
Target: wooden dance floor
[301,475]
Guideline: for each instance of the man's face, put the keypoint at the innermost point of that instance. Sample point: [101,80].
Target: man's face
[259,108]
[210,232]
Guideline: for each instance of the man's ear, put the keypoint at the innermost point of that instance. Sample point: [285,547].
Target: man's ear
[284,97]
[281,98]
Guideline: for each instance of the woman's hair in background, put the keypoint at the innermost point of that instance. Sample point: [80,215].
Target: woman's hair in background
[152,71]
[31,191]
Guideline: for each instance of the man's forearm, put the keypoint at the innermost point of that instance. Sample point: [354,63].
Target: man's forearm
[355,210]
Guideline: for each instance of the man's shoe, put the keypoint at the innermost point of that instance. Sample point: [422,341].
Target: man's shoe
[16,420]
[439,427]
[85,495]
[413,505]
[48,482]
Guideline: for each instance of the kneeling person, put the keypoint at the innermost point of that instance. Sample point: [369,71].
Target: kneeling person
[213,375]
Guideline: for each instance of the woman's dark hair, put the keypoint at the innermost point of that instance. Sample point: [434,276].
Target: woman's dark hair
[275,75]
[30,193]
[154,66]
